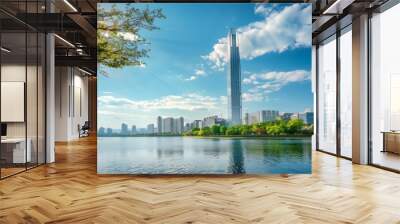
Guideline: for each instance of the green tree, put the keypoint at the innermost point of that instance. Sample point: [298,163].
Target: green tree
[234,130]
[308,129]
[275,129]
[222,129]
[119,42]
[245,130]
[195,133]
[215,130]
[205,131]
[294,126]
[258,129]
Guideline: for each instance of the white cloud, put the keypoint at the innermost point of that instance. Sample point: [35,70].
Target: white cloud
[219,54]
[264,9]
[197,74]
[114,110]
[191,78]
[200,72]
[188,102]
[280,30]
[252,97]
[260,85]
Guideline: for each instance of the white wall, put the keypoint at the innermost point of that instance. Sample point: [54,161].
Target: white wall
[71,102]
[12,73]
[33,126]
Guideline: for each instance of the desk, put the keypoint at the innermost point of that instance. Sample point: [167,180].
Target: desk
[391,141]
[17,145]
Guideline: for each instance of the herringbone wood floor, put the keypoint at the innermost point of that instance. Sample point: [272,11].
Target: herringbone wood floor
[70,191]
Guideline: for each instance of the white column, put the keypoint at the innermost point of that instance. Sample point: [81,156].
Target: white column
[50,98]
[360,90]
[314,92]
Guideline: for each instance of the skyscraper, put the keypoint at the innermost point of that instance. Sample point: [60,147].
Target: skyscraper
[150,129]
[159,125]
[307,117]
[124,129]
[178,125]
[268,115]
[109,131]
[168,125]
[234,80]
[102,131]
[133,130]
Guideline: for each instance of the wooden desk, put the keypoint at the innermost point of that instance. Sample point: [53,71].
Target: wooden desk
[391,141]
[16,147]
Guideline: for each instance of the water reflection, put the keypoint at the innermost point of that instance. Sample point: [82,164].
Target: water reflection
[170,153]
[147,155]
[236,165]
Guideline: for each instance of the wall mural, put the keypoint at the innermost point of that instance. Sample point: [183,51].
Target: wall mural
[204,88]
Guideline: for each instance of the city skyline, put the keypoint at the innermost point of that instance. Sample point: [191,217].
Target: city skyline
[186,72]
[248,119]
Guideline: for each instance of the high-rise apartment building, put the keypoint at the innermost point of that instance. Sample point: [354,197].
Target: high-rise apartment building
[246,119]
[124,129]
[168,125]
[197,124]
[102,131]
[150,128]
[159,125]
[286,116]
[178,125]
[133,130]
[261,116]
[234,80]
[307,117]
[209,121]
[187,127]
[254,117]
[109,131]
[268,115]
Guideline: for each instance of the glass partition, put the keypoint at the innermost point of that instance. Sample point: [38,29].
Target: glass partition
[13,105]
[327,95]
[346,93]
[385,89]
[31,98]
[22,78]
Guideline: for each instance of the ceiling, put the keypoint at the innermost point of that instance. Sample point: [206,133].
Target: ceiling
[74,21]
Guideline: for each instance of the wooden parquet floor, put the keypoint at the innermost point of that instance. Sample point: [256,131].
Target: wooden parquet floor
[70,191]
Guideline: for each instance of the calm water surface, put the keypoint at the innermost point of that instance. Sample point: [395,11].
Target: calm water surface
[191,155]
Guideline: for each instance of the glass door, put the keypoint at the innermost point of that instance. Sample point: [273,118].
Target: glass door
[327,95]
[385,89]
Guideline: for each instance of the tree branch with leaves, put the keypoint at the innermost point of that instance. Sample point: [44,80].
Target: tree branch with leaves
[119,39]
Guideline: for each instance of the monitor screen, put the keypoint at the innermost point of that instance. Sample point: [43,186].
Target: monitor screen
[3,129]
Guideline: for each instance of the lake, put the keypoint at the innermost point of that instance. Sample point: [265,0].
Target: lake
[195,155]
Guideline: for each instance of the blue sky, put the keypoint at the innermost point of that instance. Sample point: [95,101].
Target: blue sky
[185,73]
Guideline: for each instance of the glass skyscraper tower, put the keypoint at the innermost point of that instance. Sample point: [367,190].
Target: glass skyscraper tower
[234,80]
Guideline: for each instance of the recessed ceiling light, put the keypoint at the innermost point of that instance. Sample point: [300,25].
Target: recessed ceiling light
[70,5]
[5,50]
[64,40]
[337,7]
[84,71]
